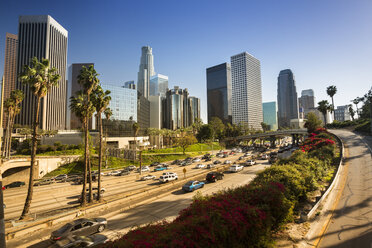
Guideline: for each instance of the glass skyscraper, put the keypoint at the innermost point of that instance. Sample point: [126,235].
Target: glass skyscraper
[246,91]
[287,98]
[175,108]
[307,101]
[158,85]
[219,92]
[270,115]
[194,109]
[146,71]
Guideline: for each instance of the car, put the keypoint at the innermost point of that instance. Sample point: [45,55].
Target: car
[227,162]
[220,155]
[216,162]
[192,185]
[144,169]
[225,155]
[200,166]
[81,241]
[103,190]
[184,163]
[236,168]
[169,173]
[148,177]
[264,156]
[196,160]
[177,162]
[114,173]
[160,168]
[81,226]
[232,153]
[61,178]
[214,176]
[250,162]
[123,172]
[15,184]
[208,159]
[206,156]
[45,182]
[273,160]
[168,177]
[155,164]
[131,167]
[210,166]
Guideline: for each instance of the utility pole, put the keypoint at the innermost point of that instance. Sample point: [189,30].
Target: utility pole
[2,224]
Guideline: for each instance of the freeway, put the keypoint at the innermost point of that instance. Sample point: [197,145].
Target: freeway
[350,222]
[165,207]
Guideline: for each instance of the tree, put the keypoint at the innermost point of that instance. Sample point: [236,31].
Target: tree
[351,111]
[331,91]
[101,100]
[324,107]
[186,141]
[196,126]
[205,133]
[368,101]
[356,101]
[217,127]
[265,127]
[312,122]
[40,79]
[12,107]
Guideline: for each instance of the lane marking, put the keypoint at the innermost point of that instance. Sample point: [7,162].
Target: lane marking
[330,216]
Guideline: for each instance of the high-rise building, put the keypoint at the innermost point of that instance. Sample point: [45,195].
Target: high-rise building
[143,112]
[175,106]
[10,68]
[270,115]
[155,112]
[130,85]
[146,71]
[43,37]
[246,90]
[287,98]
[342,113]
[219,92]
[306,101]
[73,86]
[158,85]
[194,109]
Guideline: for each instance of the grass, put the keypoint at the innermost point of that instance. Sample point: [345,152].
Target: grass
[199,147]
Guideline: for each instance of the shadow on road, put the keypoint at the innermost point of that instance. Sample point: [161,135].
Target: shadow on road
[42,244]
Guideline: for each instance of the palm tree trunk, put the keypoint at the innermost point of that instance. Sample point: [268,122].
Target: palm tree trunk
[100,156]
[6,138]
[90,179]
[333,106]
[325,119]
[10,135]
[26,208]
[83,193]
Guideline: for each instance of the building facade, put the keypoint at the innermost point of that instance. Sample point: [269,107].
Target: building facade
[246,91]
[143,112]
[287,98]
[219,92]
[73,86]
[194,109]
[270,112]
[308,92]
[130,85]
[307,101]
[158,85]
[146,71]
[175,106]
[155,112]
[10,69]
[43,37]
[342,113]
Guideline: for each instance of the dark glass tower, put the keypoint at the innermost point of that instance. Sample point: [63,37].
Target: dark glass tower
[219,92]
[287,98]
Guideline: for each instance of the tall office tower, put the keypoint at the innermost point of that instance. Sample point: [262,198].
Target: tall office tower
[10,68]
[194,109]
[287,98]
[270,115]
[43,37]
[246,91]
[146,71]
[219,92]
[342,113]
[306,101]
[175,106]
[158,85]
[143,112]
[73,86]
[129,85]
[155,112]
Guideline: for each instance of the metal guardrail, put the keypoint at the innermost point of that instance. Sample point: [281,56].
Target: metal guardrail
[269,134]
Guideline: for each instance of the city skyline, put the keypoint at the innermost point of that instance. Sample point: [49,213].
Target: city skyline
[328,38]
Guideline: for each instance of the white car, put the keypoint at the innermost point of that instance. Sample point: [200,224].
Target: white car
[236,168]
[114,173]
[168,177]
[227,162]
[148,177]
[200,166]
[264,156]
[144,169]
[250,162]
[196,160]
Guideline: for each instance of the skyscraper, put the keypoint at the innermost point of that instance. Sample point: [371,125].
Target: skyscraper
[194,109]
[246,90]
[155,112]
[270,114]
[158,85]
[287,98]
[219,92]
[146,71]
[308,92]
[73,86]
[307,101]
[10,68]
[130,85]
[175,106]
[43,37]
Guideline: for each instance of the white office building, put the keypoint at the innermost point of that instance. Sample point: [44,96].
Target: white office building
[158,85]
[146,71]
[246,91]
[155,112]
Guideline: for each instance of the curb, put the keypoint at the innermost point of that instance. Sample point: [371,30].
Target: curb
[335,180]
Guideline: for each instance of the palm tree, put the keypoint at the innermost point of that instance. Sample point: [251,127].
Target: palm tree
[324,107]
[40,78]
[101,100]
[331,91]
[351,111]
[356,101]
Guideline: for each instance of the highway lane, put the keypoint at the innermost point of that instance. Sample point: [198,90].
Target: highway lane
[350,225]
[61,195]
[166,207]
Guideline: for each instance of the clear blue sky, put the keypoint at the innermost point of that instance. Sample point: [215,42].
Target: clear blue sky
[324,42]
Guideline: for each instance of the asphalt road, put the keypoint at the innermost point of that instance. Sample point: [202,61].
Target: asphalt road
[351,222]
[166,207]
